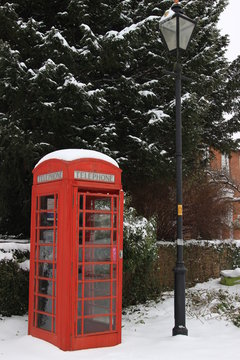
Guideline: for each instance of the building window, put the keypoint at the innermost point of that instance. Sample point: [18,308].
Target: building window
[225,163]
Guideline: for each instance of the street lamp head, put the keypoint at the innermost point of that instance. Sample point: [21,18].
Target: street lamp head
[176,28]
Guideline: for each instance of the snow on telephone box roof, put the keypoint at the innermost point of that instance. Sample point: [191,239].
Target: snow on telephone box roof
[75,154]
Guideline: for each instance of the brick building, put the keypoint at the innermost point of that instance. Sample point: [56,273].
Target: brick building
[229,167]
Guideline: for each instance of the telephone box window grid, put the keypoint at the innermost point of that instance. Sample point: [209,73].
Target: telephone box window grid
[97,263]
[45,262]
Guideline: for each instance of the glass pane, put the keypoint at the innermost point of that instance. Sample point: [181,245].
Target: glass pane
[114,253]
[186,28]
[80,255]
[97,272]
[98,220]
[47,202]
[80,273]
[97,324]
[114,271]
[114,204]
[79,308]
[54,325]
[114,237]
[46,236]
[169,32]
[94,203]
[81,202]
[79,290]
[114,323]
[80,237]
[45,287]
[115,221]
[44,322]
[98,237]
[47,219]
[44,304]
[97,307]
[114,288]
[45,270]
[114,305]
[45,252]
[79,327]
[97,289]
[97,254]
[80,220]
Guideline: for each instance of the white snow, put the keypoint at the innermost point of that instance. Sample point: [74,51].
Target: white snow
[236,136]
[72,81]
[64,41]
[146,335]
[231,273]
[7,249]
[130,29]
[5,256]
[49,62]
[156,116]
[167,16]
[8,246]
[75,154]
[146,93]
[25,265]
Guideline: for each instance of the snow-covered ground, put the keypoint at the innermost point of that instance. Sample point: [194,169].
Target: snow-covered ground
[146,334]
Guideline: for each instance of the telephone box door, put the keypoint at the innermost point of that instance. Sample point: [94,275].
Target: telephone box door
[96,261]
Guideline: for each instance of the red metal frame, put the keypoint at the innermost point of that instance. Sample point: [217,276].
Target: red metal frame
[84,229]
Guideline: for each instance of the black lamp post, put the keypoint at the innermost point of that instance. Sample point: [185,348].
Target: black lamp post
[176,30]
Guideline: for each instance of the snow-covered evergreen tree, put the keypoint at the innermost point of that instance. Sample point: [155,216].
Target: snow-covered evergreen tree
[82,73]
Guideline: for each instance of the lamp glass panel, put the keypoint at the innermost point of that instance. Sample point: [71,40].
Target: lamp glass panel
[186,28]
[169,32]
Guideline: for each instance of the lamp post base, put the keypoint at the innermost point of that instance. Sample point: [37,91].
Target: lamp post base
[179,296]
[181,330]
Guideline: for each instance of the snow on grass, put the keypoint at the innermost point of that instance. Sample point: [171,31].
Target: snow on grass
[146,334]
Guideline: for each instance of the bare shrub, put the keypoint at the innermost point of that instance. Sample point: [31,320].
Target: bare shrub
[205,207]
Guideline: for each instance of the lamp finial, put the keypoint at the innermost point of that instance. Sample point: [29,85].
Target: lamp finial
[176,1]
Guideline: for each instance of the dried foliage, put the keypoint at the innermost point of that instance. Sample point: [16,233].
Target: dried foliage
[205,207]
[213,304]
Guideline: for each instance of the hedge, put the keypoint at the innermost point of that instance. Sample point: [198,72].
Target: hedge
[148,268]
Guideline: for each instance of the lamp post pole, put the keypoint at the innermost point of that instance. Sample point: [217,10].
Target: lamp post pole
[176,30]
[180,270]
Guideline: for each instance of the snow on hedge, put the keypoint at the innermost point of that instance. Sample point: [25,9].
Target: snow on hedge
[7,250]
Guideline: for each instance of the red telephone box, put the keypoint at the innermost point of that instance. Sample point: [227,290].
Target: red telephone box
[76,250]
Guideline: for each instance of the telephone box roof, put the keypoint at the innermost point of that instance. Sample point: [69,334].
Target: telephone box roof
[75,154]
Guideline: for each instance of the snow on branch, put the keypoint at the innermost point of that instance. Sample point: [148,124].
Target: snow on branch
[130,29]
[156,116]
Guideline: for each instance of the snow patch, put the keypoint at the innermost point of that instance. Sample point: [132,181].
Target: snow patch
[70,80]
[236,136]
[156,116]
[146,334]
[231,273]
[25,265]
[146,93]
[75,154]
[132,28]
